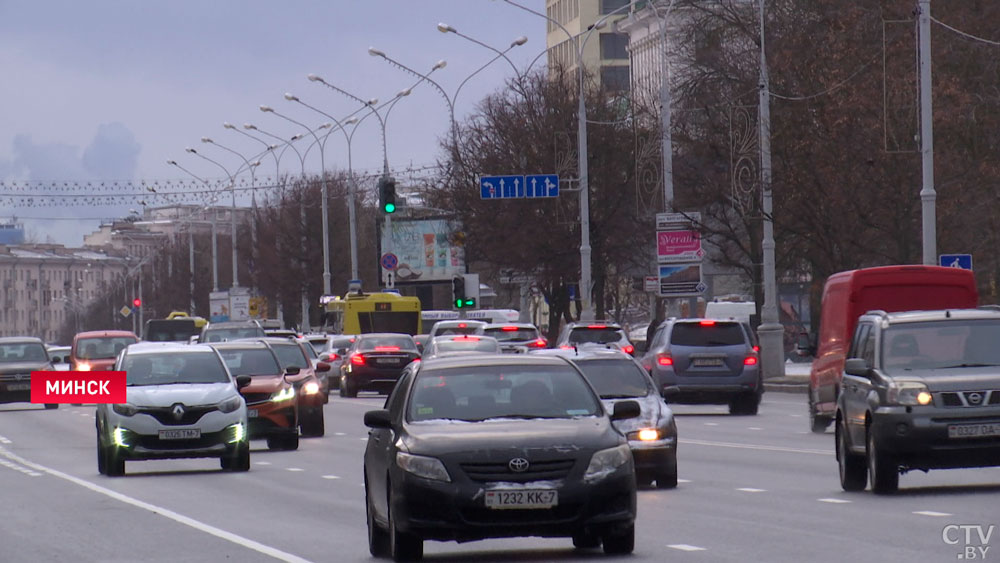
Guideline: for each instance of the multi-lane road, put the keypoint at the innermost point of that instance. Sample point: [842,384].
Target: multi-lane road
[752,489]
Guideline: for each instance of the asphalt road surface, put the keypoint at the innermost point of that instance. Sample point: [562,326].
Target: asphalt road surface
[758,488]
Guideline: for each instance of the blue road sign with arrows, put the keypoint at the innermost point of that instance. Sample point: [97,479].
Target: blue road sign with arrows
[519,187]
[542,185]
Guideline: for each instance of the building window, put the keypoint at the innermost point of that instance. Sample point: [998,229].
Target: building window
[608,6]
[614,77]
[614,46]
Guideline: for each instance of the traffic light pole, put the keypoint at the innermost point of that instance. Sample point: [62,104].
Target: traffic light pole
[140,299]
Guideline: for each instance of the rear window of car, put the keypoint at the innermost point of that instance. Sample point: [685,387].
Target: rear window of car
[258,361]
[598,335]
[465,344]
[225,334]
[615,379]
[377,342]
[716,334]
[512,334]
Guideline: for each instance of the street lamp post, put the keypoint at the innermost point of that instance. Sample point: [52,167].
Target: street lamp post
[215,242]
[587,312]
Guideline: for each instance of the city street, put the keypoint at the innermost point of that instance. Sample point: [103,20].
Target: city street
[753,488]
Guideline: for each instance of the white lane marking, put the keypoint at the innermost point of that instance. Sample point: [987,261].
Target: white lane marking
[686,547]
[85,415]
[340,433]
[932,513]
[755,447]
[16,467]
[4,440]
[262,463]
[795,415]
[176,517]
[711,424]
[365,439]
[751,490]
[294,469]
[331,477]
[834,500]
[683,480]
[754,428]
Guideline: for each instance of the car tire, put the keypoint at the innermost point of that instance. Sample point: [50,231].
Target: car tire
[313,424]
[583,540]
[745,404]
[818,423]
[347,389]
[102,460]
[50,406]
[620,542]
[882,469]
[378,538]
[853,471]
[239,461]
[403,546]
[667,477]
[114,465]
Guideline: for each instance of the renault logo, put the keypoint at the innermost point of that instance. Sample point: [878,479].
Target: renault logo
[518,465]
[974,398]
[178,411]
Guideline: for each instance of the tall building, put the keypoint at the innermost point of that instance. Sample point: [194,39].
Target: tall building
[649,33]
[605,53]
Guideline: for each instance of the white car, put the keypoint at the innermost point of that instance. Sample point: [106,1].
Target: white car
[182,403]
[60,357]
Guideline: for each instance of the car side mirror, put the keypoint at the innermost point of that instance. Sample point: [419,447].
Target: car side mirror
[625,409]
[322,367]
[242,381]
[378,419]
[858,367]
[292,370]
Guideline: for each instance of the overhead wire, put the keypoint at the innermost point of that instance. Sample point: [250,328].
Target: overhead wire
[964,34]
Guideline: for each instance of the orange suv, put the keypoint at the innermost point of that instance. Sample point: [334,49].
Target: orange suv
[97,350]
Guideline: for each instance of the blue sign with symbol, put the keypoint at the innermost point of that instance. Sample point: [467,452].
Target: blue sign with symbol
[389,261]
[963,261]
[501,187]
[542,185]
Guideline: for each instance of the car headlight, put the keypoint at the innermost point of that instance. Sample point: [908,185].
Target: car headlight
[121,436]
[908,393]
[311,388]
[238,432]
[231,404]
[645,435]
[84,366]
[423,466]
[606,462]
[124,409]
[283,395]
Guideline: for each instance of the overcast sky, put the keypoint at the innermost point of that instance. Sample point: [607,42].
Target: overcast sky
[109,90]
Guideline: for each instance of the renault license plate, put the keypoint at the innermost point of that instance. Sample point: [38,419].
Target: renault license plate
[180,434]
[973,430]
[522,498]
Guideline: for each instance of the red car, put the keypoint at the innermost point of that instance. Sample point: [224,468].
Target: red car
[309,391]
[97,350]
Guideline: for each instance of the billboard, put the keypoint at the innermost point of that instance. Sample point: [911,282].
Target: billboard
[424,250]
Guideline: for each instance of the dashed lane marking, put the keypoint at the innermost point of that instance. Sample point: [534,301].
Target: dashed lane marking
[683,480]
[711,424]
[834,500]
[166,513]
[331,477]
[340,433]
[21,468]
[932,513]
[294,469]
[756,447]
[685,547]
[262,463]
[754,428]
[751,490]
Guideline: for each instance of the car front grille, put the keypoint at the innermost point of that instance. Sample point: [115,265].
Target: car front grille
[165,415]
[970,398]
[537,471]
[255,398]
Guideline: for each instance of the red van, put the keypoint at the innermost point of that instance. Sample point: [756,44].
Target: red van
[97,350]
[848,295]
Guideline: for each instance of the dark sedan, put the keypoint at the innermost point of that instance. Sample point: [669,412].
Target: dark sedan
[19,356]
[375,361]
[491,446]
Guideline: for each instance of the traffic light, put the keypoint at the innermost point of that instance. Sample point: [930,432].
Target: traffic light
[460,297]
[387,194]
[137,302]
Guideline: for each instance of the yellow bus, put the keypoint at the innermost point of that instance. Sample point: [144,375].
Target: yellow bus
[361,313]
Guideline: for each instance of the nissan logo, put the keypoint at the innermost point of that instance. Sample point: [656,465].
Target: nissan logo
[178,411]
[518,465]
[974,398]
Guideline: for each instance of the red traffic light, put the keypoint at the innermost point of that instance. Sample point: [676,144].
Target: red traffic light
[137,302]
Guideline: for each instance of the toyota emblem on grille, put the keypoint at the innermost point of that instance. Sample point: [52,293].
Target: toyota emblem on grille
[974,398]
[518,465]
[178,411]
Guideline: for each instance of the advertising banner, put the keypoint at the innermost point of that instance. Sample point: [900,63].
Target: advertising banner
[424,251]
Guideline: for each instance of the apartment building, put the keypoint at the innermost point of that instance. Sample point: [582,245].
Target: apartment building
[605,53]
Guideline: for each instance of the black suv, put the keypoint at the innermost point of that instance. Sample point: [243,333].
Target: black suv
[921,390]
[706,361]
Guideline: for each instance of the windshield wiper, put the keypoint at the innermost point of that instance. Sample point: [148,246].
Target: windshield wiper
[621,396]
[969,366]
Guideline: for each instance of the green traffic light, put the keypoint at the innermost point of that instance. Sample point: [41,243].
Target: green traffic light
[390,208]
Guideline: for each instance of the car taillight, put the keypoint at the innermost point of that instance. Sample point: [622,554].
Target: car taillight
[598,327]
[756,348]
[358,359]
[707,323]
[750,361]
[540,343]
[629,349]
[468,338]
[664,360]
[509,328]
[334,357]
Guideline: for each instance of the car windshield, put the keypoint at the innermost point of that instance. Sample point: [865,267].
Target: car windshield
[615,379]
[512,334]
[471,344]
[705,334]
[166,368]
[311,352]
[255,361]
[481,392]
[290,356]
[102,348]
[22,352]
[580,335]
[387,343]
[226,334]
[955,343]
